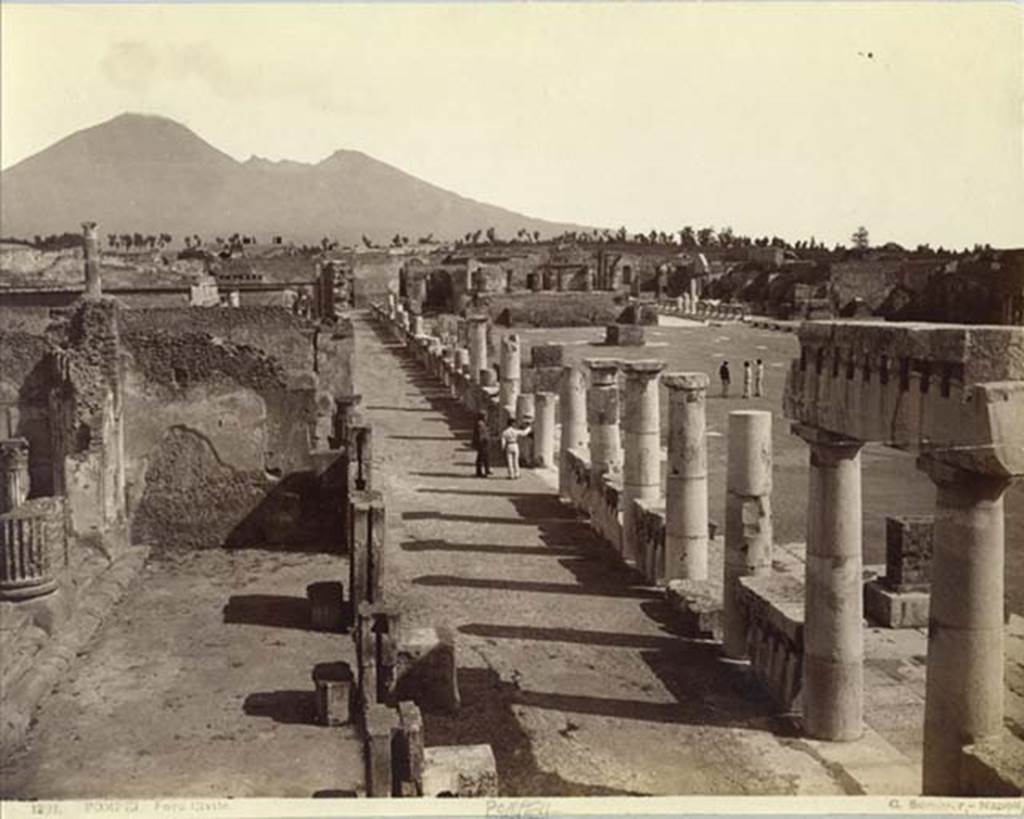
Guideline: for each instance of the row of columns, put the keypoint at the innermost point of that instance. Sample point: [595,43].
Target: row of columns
[965,686]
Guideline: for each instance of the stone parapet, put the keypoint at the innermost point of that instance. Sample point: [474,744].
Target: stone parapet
[956,392]
[773,610]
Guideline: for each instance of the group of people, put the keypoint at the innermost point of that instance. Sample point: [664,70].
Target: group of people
[753,379]
[509,446]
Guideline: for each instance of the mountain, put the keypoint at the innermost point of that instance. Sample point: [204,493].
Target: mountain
[150,174]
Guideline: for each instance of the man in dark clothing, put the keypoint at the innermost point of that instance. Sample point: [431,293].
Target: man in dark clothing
[723,373]
[482,445]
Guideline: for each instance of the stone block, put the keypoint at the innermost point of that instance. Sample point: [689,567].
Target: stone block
[895,609]
[334,693]
[425,669]
[624,335]
[994,767]
[698,605]
[326,605]
[547,355]
[460,770]
[381,727]
[908,552]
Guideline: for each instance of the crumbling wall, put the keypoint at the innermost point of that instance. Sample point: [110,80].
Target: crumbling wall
[24,402]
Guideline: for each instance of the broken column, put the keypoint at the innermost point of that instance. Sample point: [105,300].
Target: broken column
[93,281]
[603,416]
[525,413]
[748,517]
[686,485]
[572,406]
[641,472]
[833,691]
[14,479]
[477,346]
[544,430]
[964,686]
[367,532]
[511,370]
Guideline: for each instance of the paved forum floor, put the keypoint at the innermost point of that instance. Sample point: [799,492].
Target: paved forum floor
[567,666]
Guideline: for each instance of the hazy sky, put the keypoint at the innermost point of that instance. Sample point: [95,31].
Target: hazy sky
[796,119]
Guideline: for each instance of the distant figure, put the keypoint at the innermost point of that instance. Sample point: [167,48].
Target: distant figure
[723,374]
[510,444]
[759,379]
[482,445]
[748,379]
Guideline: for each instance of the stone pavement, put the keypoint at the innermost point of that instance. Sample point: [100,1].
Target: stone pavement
[569,666]
[198,685]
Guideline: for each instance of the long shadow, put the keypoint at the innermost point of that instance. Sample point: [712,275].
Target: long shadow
[486,716]
[424,438]
[276,610]
[385,408]
[469,518]
[542,587]
[483,548]
[430,491]
[287,707]
[571,635]
[449,475]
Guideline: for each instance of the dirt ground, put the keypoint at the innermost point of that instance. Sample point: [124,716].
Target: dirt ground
[198,685]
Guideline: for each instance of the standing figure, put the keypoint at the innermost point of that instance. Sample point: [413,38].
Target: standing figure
[510,444]
[482,445]
[748,379]
[723,374]
[759,379]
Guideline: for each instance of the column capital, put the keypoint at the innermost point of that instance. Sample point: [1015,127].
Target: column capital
[686,381]
[603,371]
[645,368]
[818,437]
[946,474]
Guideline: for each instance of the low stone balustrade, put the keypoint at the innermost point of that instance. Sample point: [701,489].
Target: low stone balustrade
[772,608]
[32,549]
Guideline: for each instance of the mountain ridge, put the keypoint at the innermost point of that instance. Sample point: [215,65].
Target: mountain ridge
[149,173]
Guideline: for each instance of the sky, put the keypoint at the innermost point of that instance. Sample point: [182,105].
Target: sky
[796,120]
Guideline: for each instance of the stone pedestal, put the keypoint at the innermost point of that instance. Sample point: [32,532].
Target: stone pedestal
[334,684]
[511,371]
[14,476]
[417,325]
[572,405]
[477,346]
[603,416]
[686,492]
[544,430]
[641,455]
[748,516]
[833,604]
[964,687]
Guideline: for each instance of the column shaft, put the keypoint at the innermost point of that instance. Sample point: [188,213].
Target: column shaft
[748,516]
[572,404]
[511,371]
[833,593]
[603,417]
[642,455]
[964,686]
[544,429]
[477,346]
[686,492]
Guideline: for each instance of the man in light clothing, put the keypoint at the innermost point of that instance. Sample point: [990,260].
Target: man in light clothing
[510,444]
[759,379]
[747,379]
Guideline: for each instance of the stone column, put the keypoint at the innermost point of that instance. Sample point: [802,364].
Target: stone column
[93,281]
[964,686]
[14,481]
[686,484]
[833,690]
[462,360]
[477,345]
[511,370]
[642,455]
[572,410]
[603,415]
[560,280]
[544,429]
[525,413]
[748,516]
